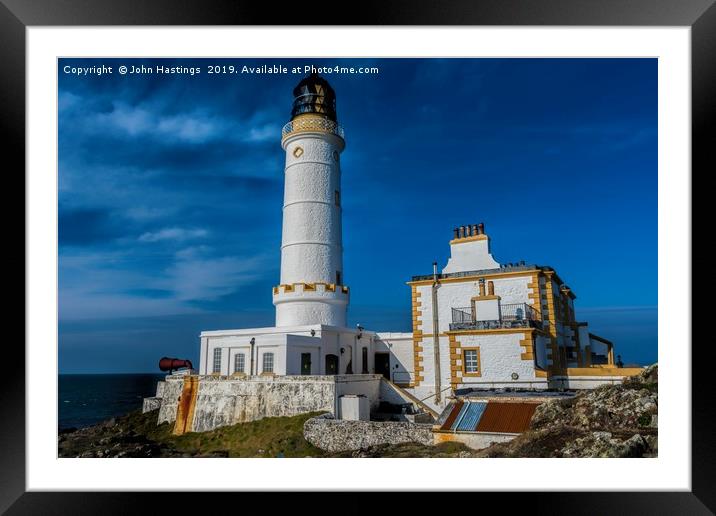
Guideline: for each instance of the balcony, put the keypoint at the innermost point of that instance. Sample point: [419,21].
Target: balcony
[516,315]
[312,124]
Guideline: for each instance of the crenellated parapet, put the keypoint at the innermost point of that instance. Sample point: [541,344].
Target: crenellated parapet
[318,287]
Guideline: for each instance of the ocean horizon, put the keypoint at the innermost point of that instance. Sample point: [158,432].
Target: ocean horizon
[85,399]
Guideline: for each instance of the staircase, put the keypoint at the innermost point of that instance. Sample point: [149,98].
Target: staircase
[408,398]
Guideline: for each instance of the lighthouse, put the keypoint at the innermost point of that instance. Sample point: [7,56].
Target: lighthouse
[312,289]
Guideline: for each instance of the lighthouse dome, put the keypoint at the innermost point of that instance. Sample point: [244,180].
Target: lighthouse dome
[313,95]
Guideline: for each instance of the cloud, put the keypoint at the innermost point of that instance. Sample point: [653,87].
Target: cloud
[136,121]
[193,278]
[173,234]
[128,283]
[264,133]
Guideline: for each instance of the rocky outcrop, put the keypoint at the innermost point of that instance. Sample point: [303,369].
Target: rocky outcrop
[610,421]
[336,435]
[633,404]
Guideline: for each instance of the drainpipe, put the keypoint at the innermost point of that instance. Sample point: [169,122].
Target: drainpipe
[253,341]
[436,332]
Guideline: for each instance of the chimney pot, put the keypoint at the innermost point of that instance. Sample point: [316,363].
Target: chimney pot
[481,228]
[457,232]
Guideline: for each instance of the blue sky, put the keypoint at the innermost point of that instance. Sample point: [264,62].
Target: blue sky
[171,186]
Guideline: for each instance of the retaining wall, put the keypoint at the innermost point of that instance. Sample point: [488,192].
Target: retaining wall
[225,400]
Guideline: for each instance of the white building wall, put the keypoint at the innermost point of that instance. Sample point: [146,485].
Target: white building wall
[401,355]
[427,386]
[459,294]
[598,347]
[500,356]
[299,344]
[287,346]
[470,255]
[541,343]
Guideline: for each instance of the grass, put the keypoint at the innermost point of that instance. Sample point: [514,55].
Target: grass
[269,437]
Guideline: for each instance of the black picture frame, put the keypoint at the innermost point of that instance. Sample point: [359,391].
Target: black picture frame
[17,15]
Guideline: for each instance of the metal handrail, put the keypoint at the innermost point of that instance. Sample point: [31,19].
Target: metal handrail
[309,124]
[511,315]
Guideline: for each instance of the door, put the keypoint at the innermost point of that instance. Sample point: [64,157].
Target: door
[382,364]
[331,364]
[305,363]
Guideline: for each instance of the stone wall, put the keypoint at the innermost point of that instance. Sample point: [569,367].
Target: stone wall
[227,402]
[334,435]
[222,400]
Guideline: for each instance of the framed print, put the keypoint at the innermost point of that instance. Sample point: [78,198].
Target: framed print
[385,256]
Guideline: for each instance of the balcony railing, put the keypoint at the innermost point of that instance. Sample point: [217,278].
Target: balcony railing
[311,125]
[514,315]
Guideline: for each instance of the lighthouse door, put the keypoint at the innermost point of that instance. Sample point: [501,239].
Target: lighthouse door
[382,364]
[305,363]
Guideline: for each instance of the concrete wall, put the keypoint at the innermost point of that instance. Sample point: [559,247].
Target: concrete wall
[367,385]
[337,435]
[583,382]
[225,400]
[401,355]
[474,440]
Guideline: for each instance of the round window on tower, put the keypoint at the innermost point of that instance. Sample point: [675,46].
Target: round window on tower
[298,152]
[335,155]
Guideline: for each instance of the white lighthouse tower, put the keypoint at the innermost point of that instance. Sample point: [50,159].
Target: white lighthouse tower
[312,289]
[310,336]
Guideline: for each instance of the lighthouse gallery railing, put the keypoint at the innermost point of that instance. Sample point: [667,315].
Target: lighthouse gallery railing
[312,124]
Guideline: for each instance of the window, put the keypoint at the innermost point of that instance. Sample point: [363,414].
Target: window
[339,279]
[365,361]
[471,360]
[337,198]
[239,362]
[268,363]
[217,361]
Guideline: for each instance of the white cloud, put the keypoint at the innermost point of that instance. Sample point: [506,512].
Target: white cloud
[142,121]
[204,279]
[173,234]
[264,133]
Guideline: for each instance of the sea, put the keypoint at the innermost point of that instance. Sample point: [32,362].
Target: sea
[87,399]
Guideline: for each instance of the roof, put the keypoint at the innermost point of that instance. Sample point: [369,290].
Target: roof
[462,274]
[487,416]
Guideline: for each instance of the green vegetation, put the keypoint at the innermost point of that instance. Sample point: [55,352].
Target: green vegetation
[268,437]
[138,435]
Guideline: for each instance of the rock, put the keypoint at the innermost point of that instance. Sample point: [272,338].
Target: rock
[621,406]
[602,444]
